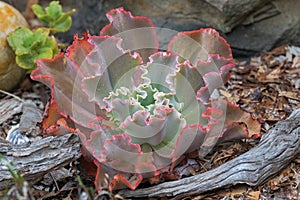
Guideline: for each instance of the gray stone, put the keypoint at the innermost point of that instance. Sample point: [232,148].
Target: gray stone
[220,14]
[250,26]
[254,25]
[265,34]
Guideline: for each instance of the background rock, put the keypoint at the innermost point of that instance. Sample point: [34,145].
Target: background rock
[250,26]
[266,33]
[10,73]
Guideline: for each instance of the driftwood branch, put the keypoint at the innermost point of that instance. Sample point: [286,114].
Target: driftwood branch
[38,158]
[275,151]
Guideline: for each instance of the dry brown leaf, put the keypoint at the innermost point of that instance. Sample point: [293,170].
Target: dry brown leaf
[291,95]
[275,74]
[296,62]
[254,195]
[235,192]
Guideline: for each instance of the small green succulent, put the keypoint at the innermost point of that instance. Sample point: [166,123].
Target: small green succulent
[54,17]
[31,45]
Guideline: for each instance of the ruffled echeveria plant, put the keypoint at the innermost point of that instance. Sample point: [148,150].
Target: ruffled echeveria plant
[138,110]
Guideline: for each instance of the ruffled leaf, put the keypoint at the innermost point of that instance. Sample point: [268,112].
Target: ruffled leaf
[227,122]
[174,125]
[62,76]
[190,139]
[198,45]
[155,129]
[180,85]
[117,180]
[133,30]
[123,161]
[80,48]
[55,124]
[213,81]
[108,69]
[160,68]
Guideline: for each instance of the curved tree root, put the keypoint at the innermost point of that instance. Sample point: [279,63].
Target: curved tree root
[275,151]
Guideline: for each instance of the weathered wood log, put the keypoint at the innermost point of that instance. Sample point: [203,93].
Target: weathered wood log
[9,108]
[38,158]
[275,151]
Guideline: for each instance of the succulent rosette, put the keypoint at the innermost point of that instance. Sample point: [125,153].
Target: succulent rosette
[138,110]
